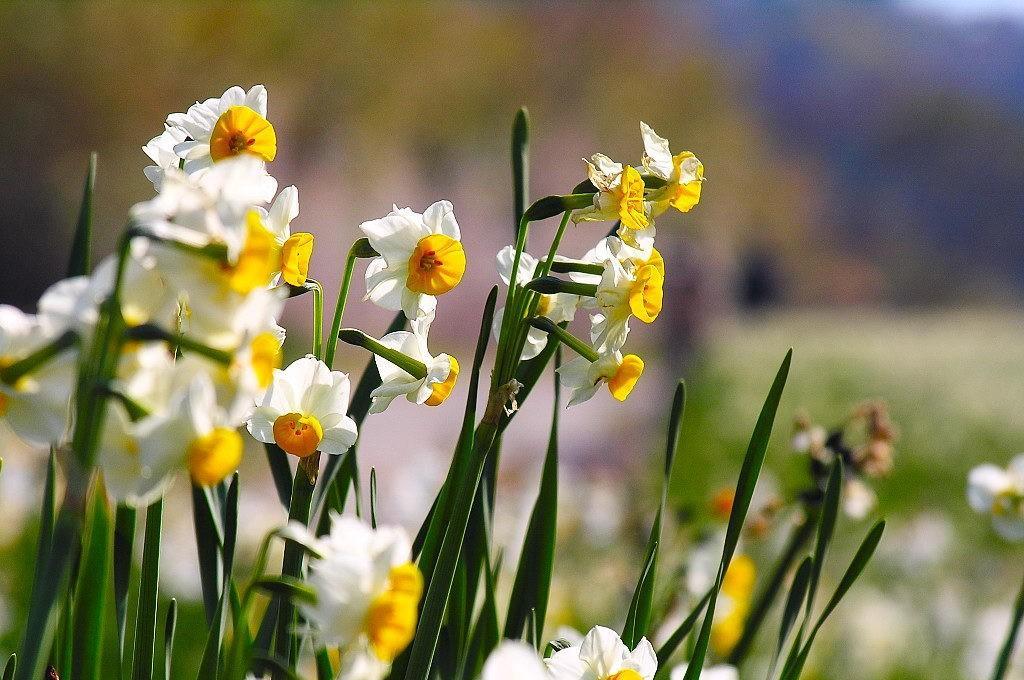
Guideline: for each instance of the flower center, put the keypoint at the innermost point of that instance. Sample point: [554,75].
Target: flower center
[215,455]
[266,356]
[297,434]
[646,293]
[391,618]
[628,674]
[258,260]
[295,254]
[626,376]
[436,265]
[242,130]
[441,390]
[630,197]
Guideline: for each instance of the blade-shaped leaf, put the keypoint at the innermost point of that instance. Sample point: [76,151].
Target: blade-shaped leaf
[277,460]
[520,166]
[91,591]
[749,472]
[124,543]
[633,630]
[373,497]
[206,519]
[669,647]
[10,667]
[145,619]
[1006,652]
[79,262]
[794,602]
[170,624]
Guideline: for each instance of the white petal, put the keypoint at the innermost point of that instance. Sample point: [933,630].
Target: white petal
[440,219]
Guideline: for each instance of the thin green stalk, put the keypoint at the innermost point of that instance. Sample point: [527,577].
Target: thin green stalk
[356,337]
[339,308]
[291,565]
[565,337]
[1003,662]
[318,316]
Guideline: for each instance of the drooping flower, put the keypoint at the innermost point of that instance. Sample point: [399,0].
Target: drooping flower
[233,124]
[368,591]
[421,257]
[626,290]
[432,389]
[295,249]
[583,377]
[620,196]
[999,492]
[559,307]
[514,659]
[734,604]
[304,409]
[35,406]
[682,172]
[603,656]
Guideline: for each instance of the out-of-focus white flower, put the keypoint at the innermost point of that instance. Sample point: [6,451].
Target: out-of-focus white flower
[231,125]
[304,409]
[421,257]
[160,150]
[513,659]
[368,591]
[682,172]
[433,389]
[626,290]
[35,407]
[999,492]
[603,656]
[583,377]
[559,307]
[194,432]
[858,498]
[620,196]
[721,671]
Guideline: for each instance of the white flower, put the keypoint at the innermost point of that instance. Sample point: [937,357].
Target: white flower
[433,389]
[514,660]
[1000,493]
[626,290]
[683,173]
[583,377]
[718,672]
[223,127]
[304,409]
[559,307]
[194,432]
[296,249]
[421,256]
[160,150]
[620,196]
[601,656]
[368,591]
[858,498]
[36,405]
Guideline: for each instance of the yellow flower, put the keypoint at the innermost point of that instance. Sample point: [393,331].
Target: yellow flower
[683,173]
[737,592]
[214,455]
[620,196]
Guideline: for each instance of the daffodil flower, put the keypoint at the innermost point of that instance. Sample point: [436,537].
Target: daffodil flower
[603,656]
[999,492]
[223,127]
[583,376]
[194,432]
[559,307]
[421,257]
[626,290]
[160,150]
[303,410]
[35,406]
[368,591]
[620,196]
[431,389]
[295,249]
[682,172]
[514,659]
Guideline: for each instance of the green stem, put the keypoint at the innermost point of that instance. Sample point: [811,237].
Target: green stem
[185,343]
[40,357]
[548,285]
[1003,662]
[318,316]
[571,267]
[353,336]
[567,338]
[358,249]
[291,565]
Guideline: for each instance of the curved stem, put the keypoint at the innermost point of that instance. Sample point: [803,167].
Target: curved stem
[318,316]
[339,308]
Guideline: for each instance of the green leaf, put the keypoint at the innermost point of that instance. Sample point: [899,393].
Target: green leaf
[209,539]
[291,565]
[79,262]
[638,619]
[532,583]
[826,528]
[520,166]
[170,623]
[670,645]
[230,528]
[124,542]
[210,661]
[91,599]
[373,497]
[277,460]
[279,667]
[749,472]
[485,634]
[145,619]
[288,586]
[794,603]
[471,454]
[10,667]
[1006,652]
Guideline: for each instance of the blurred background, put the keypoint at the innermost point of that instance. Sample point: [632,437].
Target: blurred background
[864,202]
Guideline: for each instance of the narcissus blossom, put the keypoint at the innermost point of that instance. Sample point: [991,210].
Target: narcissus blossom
[682,172]
[999,492]
[294,250]
[626,290]
[514,659]
[620,196]
[421,257]
[583,377]
[433,389]
[233,124]
[304,409]
[160,150]
[603,656]
[368,591]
